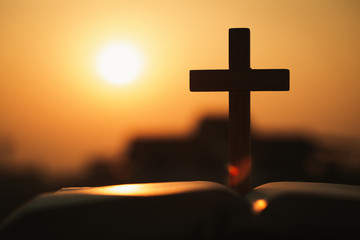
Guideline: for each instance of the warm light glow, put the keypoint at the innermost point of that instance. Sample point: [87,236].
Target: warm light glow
[259,205]
[233,170]
[119,63]
[58,110]
[146,189]
[239,171]
[123,189]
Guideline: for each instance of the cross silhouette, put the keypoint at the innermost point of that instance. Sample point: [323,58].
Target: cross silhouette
[239,80]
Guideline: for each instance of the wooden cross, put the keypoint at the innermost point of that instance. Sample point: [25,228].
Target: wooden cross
[239,80]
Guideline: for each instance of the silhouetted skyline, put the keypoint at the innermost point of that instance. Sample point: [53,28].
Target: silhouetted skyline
[200,155]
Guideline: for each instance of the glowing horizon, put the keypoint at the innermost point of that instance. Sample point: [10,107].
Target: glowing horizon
[59,112]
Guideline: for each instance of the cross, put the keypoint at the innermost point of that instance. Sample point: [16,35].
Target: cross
[239,80]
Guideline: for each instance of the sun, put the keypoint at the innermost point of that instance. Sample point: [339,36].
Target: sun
[119,63]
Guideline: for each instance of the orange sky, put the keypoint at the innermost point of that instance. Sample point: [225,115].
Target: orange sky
[59,112]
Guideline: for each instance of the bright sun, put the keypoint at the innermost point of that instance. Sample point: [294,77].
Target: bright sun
[119,63]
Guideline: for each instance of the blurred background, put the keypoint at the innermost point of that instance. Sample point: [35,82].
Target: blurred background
[63,124]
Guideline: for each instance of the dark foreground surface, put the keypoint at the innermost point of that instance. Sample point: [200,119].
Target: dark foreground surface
[190,210]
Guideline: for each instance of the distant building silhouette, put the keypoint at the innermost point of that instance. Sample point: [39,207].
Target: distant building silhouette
[204,156]
[281,159]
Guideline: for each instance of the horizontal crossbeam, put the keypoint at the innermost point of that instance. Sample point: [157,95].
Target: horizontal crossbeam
[251,80]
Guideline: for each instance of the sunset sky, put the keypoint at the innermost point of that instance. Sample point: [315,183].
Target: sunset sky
[60,112]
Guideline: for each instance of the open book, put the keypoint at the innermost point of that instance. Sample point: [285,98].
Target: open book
[189,210]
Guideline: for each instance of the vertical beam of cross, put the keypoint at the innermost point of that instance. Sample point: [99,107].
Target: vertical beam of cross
[239,112]
[239,80]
